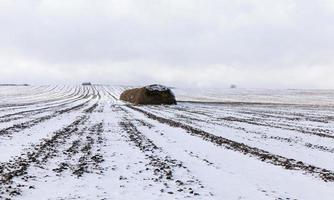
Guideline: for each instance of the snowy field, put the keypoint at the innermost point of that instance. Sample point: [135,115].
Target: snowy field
[81,142]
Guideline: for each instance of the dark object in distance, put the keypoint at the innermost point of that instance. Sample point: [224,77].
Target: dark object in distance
[233,86]
[14,85]
[149,95]
[86,83]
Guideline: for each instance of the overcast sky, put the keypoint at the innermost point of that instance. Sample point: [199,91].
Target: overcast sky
[206,43]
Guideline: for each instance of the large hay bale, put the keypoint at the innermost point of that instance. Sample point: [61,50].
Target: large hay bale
[149,95]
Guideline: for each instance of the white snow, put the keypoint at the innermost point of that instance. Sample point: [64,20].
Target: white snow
[156,87]
[134,147]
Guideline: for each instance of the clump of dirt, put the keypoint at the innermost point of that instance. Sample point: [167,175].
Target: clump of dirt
[149,95]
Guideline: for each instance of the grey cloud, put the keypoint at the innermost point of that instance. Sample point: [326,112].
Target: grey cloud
[124,36]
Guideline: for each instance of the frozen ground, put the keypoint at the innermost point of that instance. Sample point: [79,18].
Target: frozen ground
[81,142]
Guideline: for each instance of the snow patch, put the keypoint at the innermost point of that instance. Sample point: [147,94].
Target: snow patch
[157,87]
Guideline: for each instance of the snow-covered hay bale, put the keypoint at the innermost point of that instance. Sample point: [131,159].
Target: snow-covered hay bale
[149,95]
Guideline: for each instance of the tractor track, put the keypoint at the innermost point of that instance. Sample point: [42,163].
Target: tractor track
[163,166]
[251,120]
[24,114]
[22,105]
[196,118]
[25,125]
[265,156]
[38,155]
